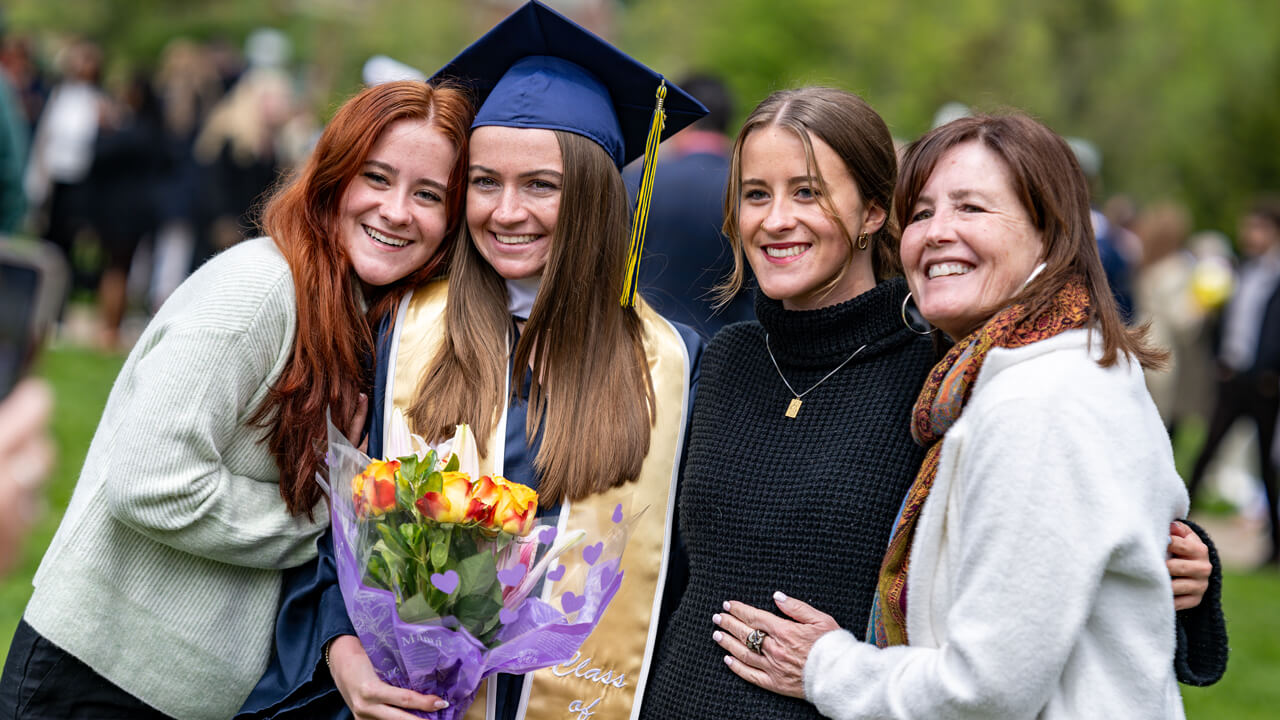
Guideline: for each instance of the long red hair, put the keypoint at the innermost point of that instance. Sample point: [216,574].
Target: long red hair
[327,370]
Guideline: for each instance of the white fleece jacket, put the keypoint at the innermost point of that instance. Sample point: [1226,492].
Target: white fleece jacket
[1037,584]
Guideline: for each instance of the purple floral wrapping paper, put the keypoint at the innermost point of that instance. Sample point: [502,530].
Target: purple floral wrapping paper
[433,658]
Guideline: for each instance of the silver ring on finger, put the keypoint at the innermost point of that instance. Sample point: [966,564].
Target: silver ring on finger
[755,641]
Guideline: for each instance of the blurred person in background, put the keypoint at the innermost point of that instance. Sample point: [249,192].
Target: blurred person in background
[686,254]
[188,86]
[238,145]
[26,457]
[1248,354]
[62,153]
[1165,298]
[13,158]
[1119,248]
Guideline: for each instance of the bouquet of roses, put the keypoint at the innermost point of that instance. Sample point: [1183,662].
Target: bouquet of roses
[438,565]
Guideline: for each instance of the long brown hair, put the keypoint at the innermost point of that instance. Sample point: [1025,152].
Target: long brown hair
[590,375]
[858,136]
[325,371]
[1048,181]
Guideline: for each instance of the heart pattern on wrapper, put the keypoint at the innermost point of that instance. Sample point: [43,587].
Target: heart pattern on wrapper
[556,574]
[617,513]
[548,535]
[511,576]
[591,553]
[572,603]
[445,582]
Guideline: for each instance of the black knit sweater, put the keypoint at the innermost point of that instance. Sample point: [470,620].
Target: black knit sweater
[801,505]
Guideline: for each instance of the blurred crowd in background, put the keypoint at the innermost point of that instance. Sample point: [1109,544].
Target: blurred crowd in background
[141,179]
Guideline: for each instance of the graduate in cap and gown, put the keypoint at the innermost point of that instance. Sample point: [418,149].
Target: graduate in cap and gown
[539,341]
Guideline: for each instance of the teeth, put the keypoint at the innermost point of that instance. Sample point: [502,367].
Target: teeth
[514,239]
[385,240]
[786,251]
[950,268]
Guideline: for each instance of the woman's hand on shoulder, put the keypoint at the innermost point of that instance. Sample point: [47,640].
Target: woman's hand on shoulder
[1189,566]
[365,693]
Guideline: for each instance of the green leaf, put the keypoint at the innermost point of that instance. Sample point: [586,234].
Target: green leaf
[433,483]
[416,609]
[477,613]
[477,573]
[439,550]
[452,465]
[394,541]
[378,574]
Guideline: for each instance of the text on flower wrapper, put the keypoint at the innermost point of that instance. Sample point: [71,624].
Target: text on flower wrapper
[583,669]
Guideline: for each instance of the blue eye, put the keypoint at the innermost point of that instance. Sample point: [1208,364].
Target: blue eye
[921,215]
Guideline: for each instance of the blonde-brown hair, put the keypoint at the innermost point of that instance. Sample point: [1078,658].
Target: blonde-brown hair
[590,375]
[858,135]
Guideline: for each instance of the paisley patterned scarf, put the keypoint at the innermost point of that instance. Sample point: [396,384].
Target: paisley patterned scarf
[941,401]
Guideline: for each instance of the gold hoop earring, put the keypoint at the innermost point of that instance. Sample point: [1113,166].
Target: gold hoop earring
[863,241]
[906,321]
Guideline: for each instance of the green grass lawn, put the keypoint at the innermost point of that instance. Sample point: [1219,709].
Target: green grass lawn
[82,379]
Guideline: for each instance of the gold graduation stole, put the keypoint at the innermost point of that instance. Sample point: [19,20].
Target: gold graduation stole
[605,679]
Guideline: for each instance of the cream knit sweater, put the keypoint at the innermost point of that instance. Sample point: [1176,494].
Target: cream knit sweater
[164,575]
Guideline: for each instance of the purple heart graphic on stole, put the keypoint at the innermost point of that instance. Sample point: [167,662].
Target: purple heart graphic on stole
[591,553]
[547,534]
[506,617]
[445,582]
[556,574]
[617,513]
[511,576]
[572,603]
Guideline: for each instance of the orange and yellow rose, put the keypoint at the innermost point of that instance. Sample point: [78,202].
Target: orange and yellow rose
[450,504]
[494,503]
[374,490]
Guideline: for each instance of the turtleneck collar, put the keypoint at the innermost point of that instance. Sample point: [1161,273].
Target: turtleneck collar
[521,294]
[814,338]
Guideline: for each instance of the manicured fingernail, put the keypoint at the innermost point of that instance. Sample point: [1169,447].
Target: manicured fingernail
[715,619]
[728,659]
[778,597]
[717,635]
[726,605]
[442,704]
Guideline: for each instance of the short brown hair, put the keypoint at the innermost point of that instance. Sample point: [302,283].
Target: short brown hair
[1053,190]
[857,134]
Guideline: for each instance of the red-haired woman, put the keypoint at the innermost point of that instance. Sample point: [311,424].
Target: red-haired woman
[158,595]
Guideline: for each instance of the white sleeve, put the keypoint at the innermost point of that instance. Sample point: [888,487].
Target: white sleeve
[1027,522]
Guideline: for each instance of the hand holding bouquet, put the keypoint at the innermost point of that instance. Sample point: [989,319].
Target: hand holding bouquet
[437,564]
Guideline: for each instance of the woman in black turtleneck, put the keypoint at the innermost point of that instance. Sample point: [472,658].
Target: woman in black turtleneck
[800,451]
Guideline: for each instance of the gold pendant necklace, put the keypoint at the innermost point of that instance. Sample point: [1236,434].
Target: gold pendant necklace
[793,407]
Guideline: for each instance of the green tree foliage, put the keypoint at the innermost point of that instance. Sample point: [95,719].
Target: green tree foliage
[1181,96]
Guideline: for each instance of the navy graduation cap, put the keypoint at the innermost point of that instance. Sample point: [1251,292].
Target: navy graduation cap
[538,69]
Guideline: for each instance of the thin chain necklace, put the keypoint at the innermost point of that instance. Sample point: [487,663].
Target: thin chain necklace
[793,408]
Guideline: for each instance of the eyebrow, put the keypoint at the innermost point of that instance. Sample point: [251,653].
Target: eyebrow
[792,181]
[393,172]
[544,172]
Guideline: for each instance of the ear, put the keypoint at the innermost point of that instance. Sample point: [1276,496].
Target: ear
[873,219]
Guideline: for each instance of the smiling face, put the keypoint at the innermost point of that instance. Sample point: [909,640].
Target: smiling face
[969,245]
[513,197]
[793,246]
[392,215]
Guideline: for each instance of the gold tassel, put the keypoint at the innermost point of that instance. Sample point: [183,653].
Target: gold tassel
[632,280]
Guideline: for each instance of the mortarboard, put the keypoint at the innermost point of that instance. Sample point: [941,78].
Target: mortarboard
[538,69]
